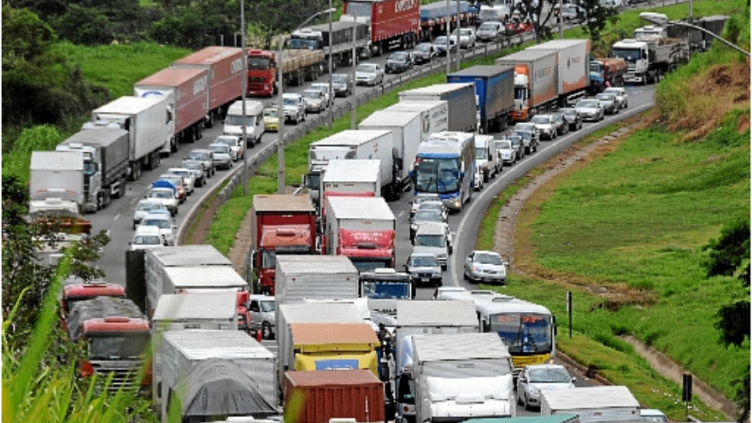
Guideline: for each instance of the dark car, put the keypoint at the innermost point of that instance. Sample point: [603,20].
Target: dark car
[343,84]
[198,171]
[572,117]
[424,52]
[424,268]
[399,61]
[561,125]
[517,146]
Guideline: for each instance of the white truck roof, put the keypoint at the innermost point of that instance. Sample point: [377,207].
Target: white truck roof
[203,277]
[351,137]
[276,202]
[589,397]
[389,118]
[366,208]
[451,136]
[352,171]
[292,265]
[189,255]
[436,313]
[130,105]
[415,105]
[435,89]
[482,140]
[315,312]
[460,346]
[212,305]
[222,344]
[57,160]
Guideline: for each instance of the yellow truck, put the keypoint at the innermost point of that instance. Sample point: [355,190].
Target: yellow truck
[335,346]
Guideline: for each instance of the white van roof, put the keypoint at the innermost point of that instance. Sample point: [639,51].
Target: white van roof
[251,107]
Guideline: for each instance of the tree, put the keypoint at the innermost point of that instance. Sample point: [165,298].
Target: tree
[533,10]
[597,17]
[198,24]
[729,255]
[273,17]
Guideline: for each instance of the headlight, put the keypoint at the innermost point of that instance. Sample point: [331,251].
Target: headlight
[533,390]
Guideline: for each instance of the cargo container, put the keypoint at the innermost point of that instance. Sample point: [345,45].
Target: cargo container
[317,397]
[494,88]
[315,277]
[187,93]
[361,229]
[335,346]
[606,70]
[463,106]
[338,43]
[183,351]
[535,84]
[59,177]
[150,123]
[281,224]
[573,70]
[391,23]
[349,178]
[592,404]
[406,130]
[434,115]
[224,65]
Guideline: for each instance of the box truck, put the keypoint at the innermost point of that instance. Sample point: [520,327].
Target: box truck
[573,70]
[494,88]
[463,106]
[535,85]
[254,121]
[281,224]
[315,277]
[391,23]
[349,178]
[434,115]
[337,43]
[334,346]
[150,125]
[592,403]
[57,182]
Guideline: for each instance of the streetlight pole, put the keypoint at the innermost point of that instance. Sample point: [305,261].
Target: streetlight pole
[244,88]
[449,37]
[561,20]
[661,19]
[281,185]
[459,52]
[331,90]
[354,99]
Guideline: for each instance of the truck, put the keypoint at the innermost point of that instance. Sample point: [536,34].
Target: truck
[186,91]
[297,66]
[535,87]
[212,310]
[572,69]
[105,164]
[434,115]
[149,122]
[463,106]
[310,313]
[486,158]
[424,318]
[343,396]
[281,224]
[338,43]
[592,403]
[650,55]
[384,287]
[334,346]
[347,145]
[56,183]
[315,277]
[433,17]
[82,291]
[461,376]
[406,130]
[116,334]
[245,369]
[361,229]
[349,178]
[204,260]
[391,23]
[224,67]
[494,88]
[606,70]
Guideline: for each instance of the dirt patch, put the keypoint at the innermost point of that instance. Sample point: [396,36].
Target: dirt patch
[200,227]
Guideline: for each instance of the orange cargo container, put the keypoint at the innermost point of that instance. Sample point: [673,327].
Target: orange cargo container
[316,397]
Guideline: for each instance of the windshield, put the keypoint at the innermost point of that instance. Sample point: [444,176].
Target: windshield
[303,44]
[183,173]
[400,57]
[258,63]
[504,145]
[89,168]
[480,154]
[428,216]
[312,94]
[237,120]
[465,32]
[589,104]
[270,113]
[118,347]
[523,332]
[431,206]
[430,240]
[515,141]
[338,77]
[191,165]
[438,175]
[198,156]
[487,26]
[177,181]
[488,259]
[540,119]
[160,223]
[568,112]
[147,240]
[161,194]
[222,149]
[426,48]
[268,259]
[440,40]
[369,265]
[148,206]
[268,306]
[519,93]
[524,135]
[424,261]
[595,67]
[386,290]
[628,55]
[604,97]
[366,68]
[230,142]
[549,375]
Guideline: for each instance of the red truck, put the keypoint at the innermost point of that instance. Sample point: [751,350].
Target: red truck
[282,224]
[225,69]
[297,67]
[393,23]
[76,292]
[187,91]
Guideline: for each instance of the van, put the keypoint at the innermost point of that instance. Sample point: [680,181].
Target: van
[433,238]
[486,160]
[254,124]
[147,237]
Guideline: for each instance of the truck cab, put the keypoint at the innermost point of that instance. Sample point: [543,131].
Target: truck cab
[486,158]
[262,73]
[383,287]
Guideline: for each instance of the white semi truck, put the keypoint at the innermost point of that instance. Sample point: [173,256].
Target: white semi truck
[434,115]
[463,104]
[57,182]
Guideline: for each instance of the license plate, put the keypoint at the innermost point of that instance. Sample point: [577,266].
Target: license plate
[424,279]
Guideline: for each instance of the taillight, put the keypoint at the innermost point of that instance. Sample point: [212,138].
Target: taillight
[86,368]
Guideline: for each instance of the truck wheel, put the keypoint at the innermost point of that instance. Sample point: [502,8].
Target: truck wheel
[266,330]
[210,121]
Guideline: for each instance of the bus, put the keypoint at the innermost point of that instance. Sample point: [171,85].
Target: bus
[445,165]
[528,329]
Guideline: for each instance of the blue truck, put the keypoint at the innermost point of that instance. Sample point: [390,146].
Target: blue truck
[494,89]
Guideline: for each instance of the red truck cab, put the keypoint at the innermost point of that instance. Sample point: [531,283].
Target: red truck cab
[262,73]
[367,249]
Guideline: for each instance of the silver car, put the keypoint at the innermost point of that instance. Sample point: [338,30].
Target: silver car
[204,157]
[369,74]
[162,220]
[590,109]
[490,31]
[466,36]
[546,125]
[621,95]
[506,153]
[145,207]
[485,266]
[609,102]
[315,100]
[189,179]
[261,308]
[424,269]
[222,155]
[536,377]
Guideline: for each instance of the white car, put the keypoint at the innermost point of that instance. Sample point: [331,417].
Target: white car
[294,107]
[546,125]
[490,31]
[189,178]
[315,100]
[485,266]
[167,197]
[590,109]
[652,415]
[146,237]
[536,377]
[236,145]
[621,95]
[145,207]
[466,36]
[163,221]
[505,152]
[324,86]
[369,74]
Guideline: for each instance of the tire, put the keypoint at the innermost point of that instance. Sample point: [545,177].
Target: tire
[266,330]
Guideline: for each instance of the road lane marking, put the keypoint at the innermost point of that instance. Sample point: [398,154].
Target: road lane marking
[117,216]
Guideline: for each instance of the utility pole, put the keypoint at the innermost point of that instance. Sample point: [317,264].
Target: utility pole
[244,88]
[331,90]
[459,53]
[281,122]
[561,20]
[449,39]
[354,99]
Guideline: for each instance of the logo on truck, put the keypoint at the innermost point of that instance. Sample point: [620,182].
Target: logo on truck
[200,84]
[236,66]
[403,5]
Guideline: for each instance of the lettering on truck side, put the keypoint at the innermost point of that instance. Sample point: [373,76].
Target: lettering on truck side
[236,66]
[200,84]
[403,5]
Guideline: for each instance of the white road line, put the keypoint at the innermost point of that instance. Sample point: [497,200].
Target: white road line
[117,216]
[399,216]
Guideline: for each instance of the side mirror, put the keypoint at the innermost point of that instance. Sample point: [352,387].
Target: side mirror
[574,380]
